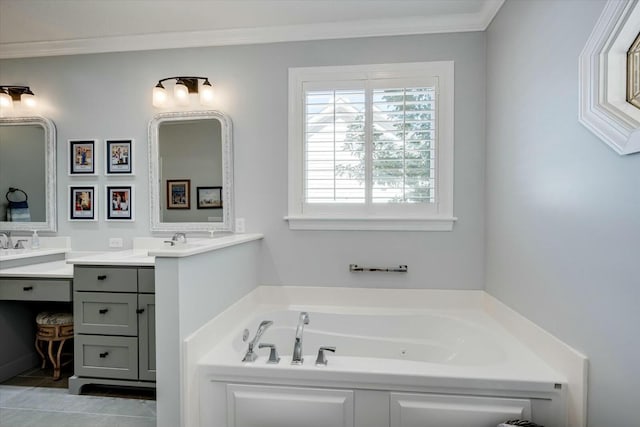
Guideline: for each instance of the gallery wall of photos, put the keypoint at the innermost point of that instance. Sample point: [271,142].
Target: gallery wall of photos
[84,199]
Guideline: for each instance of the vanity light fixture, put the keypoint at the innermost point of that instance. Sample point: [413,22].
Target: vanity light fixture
[183,87]
[10,93]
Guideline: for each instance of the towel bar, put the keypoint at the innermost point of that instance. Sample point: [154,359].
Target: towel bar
[398,269]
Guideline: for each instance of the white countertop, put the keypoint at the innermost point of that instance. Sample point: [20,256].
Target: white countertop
[143,255]
[202,245]
[127,257]
[11,254]
[51,270]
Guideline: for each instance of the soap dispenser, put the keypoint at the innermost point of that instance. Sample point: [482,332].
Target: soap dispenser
[35,240]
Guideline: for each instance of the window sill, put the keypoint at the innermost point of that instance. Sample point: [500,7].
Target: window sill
[379,224]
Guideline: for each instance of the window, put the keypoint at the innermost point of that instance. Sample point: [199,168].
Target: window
[633,73]
[371,147]
[608,103]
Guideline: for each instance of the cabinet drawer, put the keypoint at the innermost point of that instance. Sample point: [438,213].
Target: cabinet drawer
[35,290]
[105,313]
[106,357]
[147,280]
[105,279]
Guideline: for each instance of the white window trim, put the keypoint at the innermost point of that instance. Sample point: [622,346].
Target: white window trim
[602,104]
[442,220]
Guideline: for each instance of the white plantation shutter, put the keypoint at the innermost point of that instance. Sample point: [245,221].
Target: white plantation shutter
[371,147]
[334,146]
[404,136]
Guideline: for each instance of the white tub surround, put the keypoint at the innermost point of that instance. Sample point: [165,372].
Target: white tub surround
[51,249]
[396,350]
[194,283]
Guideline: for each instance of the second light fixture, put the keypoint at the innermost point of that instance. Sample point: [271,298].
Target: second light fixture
[183,87]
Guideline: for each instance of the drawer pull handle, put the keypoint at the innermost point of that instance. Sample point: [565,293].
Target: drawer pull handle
[140,310]
[27,288]
[102,277]
[103,310]
[103,355]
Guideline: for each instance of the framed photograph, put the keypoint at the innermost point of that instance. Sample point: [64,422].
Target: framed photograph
[82,157]
[178,194]
[82,203]
[119,156]
[209,197]
[119,202]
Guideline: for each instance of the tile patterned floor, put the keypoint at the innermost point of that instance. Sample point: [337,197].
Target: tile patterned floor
[32,400]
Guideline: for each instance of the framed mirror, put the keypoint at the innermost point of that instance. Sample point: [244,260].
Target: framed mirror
[191,171]
[27,174]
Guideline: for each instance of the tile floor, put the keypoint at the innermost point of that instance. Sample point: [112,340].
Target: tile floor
[33,400]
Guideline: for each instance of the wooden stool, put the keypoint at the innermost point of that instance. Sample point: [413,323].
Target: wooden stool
[54,328]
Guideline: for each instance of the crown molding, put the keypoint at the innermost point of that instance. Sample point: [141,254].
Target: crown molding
[288,33]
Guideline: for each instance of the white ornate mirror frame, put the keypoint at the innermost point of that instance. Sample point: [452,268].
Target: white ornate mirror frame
[50,222]
[155,199]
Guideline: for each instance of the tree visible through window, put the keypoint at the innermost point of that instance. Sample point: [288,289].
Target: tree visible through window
[373,145]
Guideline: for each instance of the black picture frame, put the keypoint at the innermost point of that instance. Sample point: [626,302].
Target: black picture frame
[119,155]
[82,157]
[120,202]
[178,194]
[209,197]
[82,203]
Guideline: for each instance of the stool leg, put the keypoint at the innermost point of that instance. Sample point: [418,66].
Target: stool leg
[44,359]
[53,361]
[56,370]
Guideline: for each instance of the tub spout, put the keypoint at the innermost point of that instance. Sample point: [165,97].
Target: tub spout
[297,358]
[251,356]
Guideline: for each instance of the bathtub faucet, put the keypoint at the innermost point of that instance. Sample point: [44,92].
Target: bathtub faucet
[297,358]
[251,356]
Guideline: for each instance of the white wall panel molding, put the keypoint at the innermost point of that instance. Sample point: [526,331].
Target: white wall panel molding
[602,106]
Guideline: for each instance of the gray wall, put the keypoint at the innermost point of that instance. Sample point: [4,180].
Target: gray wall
[563,210]
[22,152]
[109,96]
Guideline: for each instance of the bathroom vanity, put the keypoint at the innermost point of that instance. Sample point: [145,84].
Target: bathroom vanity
[114,320]
[30,281]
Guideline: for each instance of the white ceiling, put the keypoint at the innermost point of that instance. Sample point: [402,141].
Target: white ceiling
[62,27]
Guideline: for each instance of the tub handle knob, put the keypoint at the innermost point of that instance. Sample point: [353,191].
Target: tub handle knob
[273,354]
[321,360]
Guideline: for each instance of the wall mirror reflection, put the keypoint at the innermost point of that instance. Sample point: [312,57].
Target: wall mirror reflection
[190,153]
[27,174]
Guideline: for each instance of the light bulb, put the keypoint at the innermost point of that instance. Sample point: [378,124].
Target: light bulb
[5,100]
[206,93]
[181,92]
[28,99]
[159,96]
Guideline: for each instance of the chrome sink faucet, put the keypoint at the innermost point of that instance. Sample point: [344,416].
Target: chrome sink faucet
[251,356]
[177,238]
[297,358]
[5,240]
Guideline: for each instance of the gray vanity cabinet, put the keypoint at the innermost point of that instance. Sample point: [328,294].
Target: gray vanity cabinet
[114,321]
[147,338]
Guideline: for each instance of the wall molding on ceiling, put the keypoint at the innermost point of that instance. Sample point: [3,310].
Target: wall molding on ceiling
[602,73]
[478,21]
